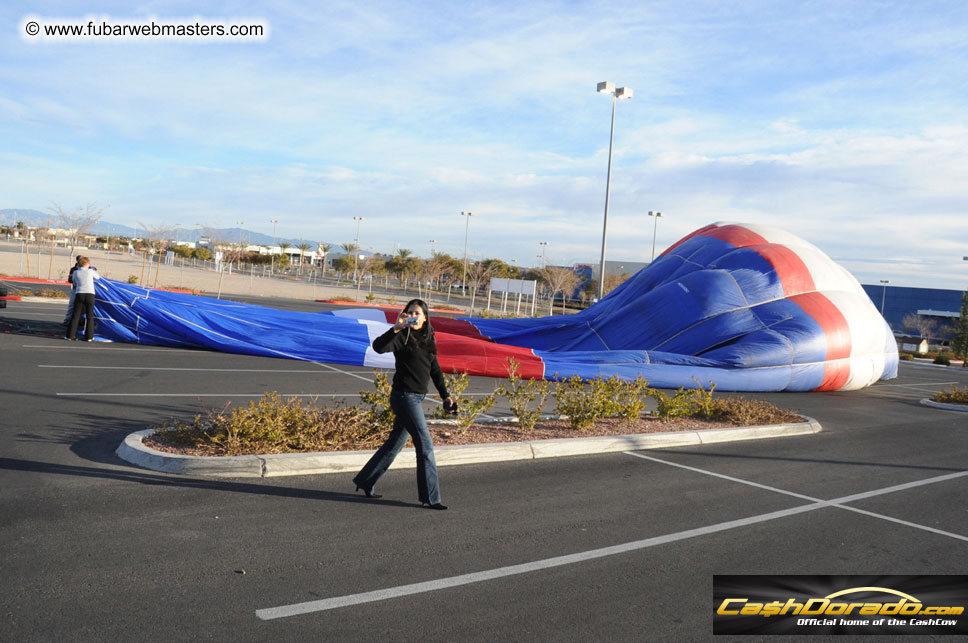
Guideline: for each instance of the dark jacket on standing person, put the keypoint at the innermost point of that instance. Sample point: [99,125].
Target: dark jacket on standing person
[416,365]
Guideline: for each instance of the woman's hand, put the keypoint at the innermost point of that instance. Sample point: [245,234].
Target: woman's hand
[449,405]
[401,322]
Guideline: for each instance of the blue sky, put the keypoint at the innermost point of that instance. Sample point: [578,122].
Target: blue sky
[843,122]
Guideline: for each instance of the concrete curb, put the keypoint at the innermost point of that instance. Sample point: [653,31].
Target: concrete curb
[36,300]
[46,300]
[293,464]
[947,407]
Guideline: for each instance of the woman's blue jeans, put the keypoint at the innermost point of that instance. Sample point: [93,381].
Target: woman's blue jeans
[409,419]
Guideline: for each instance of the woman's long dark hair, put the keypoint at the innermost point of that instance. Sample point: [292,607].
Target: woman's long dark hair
[424,338]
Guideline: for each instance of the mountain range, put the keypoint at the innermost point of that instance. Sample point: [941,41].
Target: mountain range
[31,217]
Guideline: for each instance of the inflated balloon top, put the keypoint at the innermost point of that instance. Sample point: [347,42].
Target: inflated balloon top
[747,308]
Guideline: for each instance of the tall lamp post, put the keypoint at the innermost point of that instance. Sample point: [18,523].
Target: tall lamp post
[623,93]
[432,247]
[883,293]
[654,226]
[356,253]
[543,244]
[467,226]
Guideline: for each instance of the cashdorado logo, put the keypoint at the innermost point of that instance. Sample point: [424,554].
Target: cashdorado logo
[804,605]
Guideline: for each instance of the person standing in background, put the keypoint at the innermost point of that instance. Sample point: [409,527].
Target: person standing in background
[83,279]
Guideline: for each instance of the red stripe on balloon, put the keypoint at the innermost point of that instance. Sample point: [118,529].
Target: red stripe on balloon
[458,354]
[837,333]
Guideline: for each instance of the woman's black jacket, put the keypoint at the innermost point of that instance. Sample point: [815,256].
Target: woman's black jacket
[415,365]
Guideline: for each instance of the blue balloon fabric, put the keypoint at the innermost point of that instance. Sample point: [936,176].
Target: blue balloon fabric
[747,308]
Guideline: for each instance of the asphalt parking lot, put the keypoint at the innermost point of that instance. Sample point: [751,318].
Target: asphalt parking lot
[616,547]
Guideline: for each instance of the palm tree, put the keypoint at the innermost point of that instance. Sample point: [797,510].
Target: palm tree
[398,265]
[325,247]
[283,246]
[303,247]
[351,248]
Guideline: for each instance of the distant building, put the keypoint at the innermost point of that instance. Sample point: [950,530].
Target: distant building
[896,302]
[617,268]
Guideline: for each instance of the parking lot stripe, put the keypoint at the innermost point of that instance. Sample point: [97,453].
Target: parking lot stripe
[570,559]
[105,346]
[524,568]
[254,395]
[350,373]
[837,502]
[167,368]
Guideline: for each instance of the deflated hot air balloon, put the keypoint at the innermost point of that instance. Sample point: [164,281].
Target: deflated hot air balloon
[747,308]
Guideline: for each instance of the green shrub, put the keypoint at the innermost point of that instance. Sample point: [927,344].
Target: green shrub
[679,404]
[378,402]
[272,425]
[578,402]
[941,359]
[132,279]
[469,409]
[954,396]
[703,404]
[526,397]
[621,398]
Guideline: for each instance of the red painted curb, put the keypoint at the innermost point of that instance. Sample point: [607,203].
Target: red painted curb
[10,298]
[35,281]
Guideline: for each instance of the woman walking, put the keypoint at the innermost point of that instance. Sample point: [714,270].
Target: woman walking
[415,352]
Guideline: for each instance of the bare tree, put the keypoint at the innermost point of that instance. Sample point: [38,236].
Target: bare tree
[612,282]
[478,273]
[433,269]
[77,221]
[157,235]
[370,266]
[559,280]
[926,326]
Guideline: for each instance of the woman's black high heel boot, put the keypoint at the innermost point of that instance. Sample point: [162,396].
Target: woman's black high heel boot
[369,493]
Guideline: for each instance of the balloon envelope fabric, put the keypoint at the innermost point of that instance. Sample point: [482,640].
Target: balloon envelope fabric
[744,307]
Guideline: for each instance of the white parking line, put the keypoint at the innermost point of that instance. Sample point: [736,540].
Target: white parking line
[350,373]
[839,502]
[253,395]
[912,385]
[512,570]
[106,346]
[558,561]
[215,370]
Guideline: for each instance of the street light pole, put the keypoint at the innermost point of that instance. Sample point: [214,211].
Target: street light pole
[883,293]
[467,225]
[624,93]
[543,244]
[432,249]
[356,253]
[654,226]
